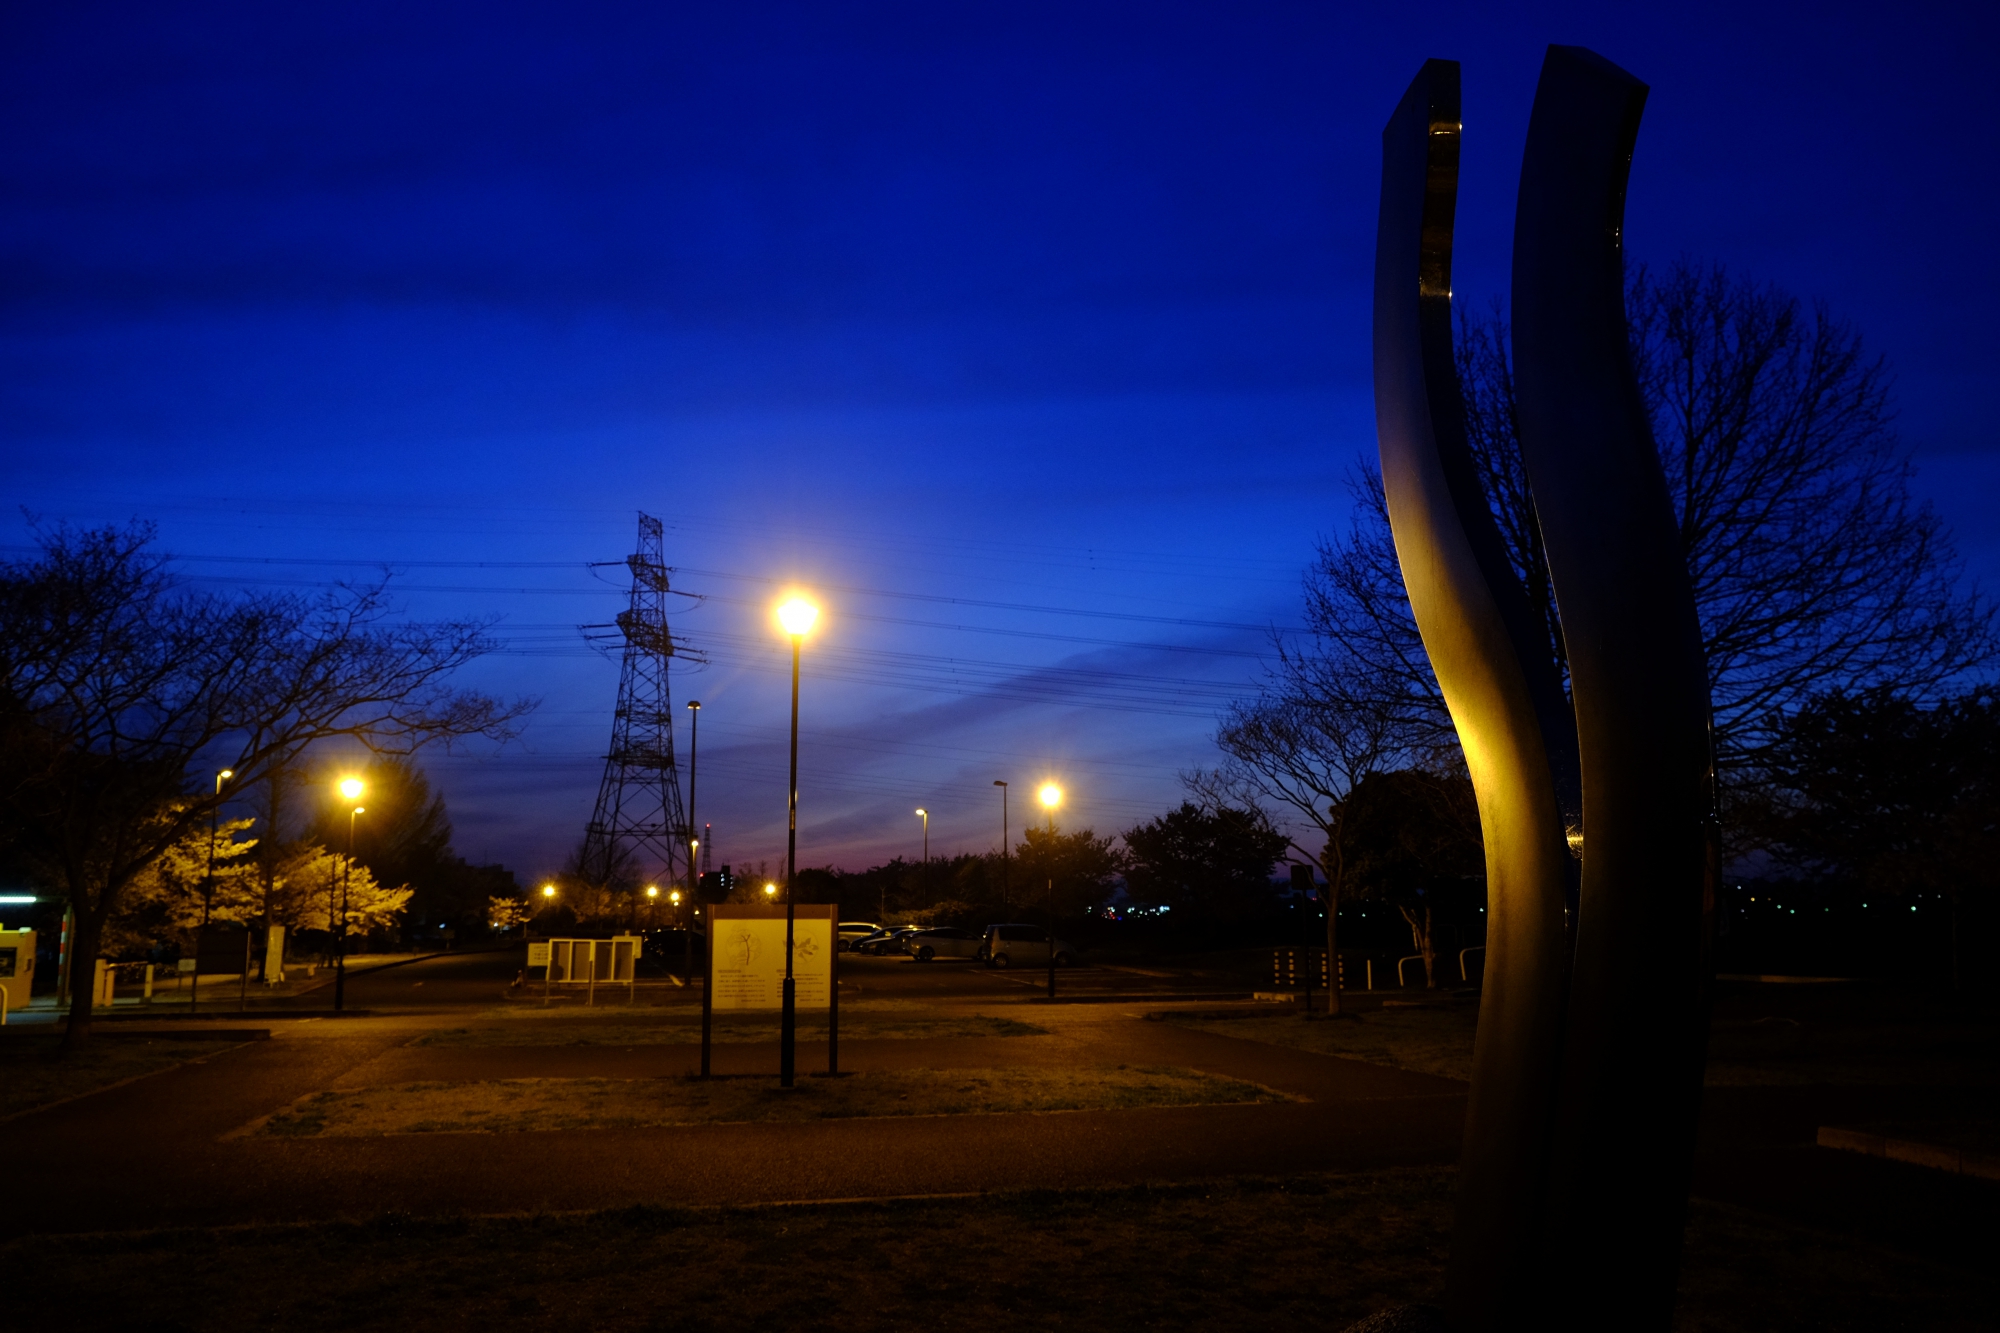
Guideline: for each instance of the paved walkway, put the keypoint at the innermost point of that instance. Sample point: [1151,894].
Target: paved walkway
[153,1153]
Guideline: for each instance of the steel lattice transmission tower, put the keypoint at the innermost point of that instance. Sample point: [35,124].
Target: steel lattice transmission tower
[638,828]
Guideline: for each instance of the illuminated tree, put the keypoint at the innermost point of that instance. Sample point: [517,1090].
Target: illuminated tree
[122,693]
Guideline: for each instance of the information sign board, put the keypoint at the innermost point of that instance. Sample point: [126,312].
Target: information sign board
[747,956]
[538,953]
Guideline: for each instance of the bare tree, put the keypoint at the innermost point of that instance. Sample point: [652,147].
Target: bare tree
[1813,566]
[122,693]
[1329,716]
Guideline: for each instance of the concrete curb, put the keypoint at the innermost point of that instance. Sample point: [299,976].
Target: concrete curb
[1928,1155]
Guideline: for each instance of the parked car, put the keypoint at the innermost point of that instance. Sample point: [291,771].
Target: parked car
[1023,946]
[945,942]
[885,941]
[847,932]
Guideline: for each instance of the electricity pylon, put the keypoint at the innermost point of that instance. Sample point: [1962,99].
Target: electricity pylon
[638,830]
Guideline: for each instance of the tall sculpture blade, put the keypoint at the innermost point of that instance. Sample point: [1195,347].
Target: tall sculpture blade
[1492,660]
[1637,1021]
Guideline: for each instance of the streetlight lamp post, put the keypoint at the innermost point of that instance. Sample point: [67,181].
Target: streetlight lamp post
[926,815]
[694,743]
[214,816]
[350,789]
[687,940]
[1006,861]
[797,616]
[1051,797]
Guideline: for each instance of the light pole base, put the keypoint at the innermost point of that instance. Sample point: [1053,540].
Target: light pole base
[788,1023]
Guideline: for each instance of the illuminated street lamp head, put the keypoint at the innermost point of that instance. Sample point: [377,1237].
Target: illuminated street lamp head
[1050,795]
[360,810]
[797,616]
[226,773]
[674,897]
[925,813]
[350,788]
[653,891]
[548,890]
[770,890]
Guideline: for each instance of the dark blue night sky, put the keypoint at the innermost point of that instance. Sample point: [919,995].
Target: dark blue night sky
[1034,337]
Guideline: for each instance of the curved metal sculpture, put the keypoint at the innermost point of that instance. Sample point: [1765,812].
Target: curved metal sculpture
[1587,1068]
[1493,665]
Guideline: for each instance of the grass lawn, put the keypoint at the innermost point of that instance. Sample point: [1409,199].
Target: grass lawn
[1257,1254]
[31,1075]
[1799,1043]
[498,1106]
[575,1030]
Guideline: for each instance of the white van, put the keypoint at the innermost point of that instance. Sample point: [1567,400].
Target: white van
[1023,946]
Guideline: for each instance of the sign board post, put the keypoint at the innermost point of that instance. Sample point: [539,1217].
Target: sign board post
[220,948]
[746,966]
[274,955]
[538,956]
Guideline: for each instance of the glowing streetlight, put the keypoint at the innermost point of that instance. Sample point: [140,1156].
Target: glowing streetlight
[1050,796]
[350,790]
[770,890]
[548,890]
[925,815]
[653,891]
[796,615]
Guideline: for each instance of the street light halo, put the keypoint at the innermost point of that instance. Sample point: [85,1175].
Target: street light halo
[548,890]
[797,615]
[1050,795]
[652,890]
[351,787]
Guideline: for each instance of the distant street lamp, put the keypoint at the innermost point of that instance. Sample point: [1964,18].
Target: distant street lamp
[926,816]
[350,789]
[1006,861]
[687,939]
[770,891]
[797,617]
[208,888]
[1051,797]
[548,890]
[694,843]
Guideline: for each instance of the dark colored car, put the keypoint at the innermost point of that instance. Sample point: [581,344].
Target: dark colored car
[886,941]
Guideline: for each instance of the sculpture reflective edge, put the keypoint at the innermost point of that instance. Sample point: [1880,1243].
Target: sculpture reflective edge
[1493,665]
[1636,1029]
